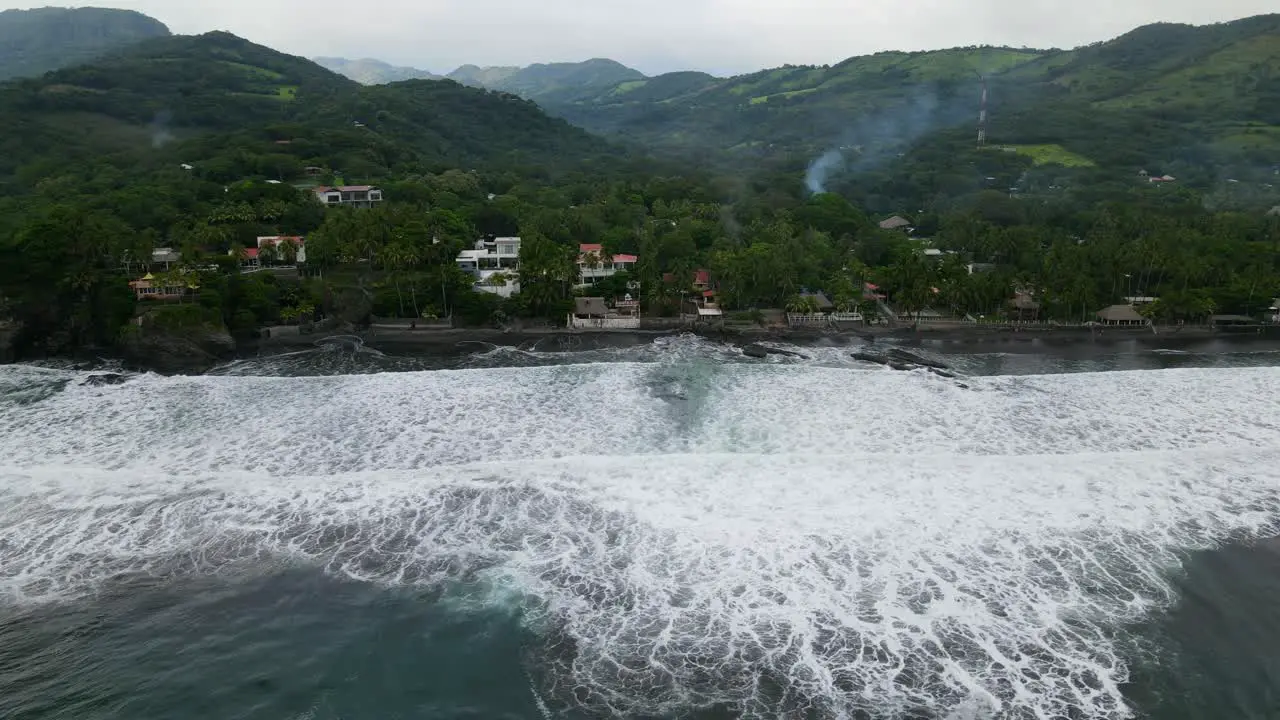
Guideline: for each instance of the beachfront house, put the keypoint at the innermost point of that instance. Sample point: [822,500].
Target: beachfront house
[595,264]
[359,196]
[1024,307]
[165,286]
[495,264]
[593,313]
[1124,315]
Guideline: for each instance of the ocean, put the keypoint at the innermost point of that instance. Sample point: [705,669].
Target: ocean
[662,531]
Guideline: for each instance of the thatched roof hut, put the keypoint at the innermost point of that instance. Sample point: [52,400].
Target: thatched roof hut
[1121,315]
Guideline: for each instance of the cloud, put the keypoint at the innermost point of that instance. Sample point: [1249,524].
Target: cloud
[720,36]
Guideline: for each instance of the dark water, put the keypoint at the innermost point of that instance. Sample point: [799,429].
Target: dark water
[236,628]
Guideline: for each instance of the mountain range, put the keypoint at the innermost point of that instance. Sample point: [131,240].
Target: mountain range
[1163,94]
[1199,103]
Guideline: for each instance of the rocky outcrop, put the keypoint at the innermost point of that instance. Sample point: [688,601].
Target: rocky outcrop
[8,337]
[756,350]
[104,379]
[168,349]
[903,360]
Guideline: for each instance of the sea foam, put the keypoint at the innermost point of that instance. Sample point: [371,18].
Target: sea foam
[775,537]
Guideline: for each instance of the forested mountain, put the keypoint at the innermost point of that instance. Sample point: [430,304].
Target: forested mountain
[1174,98]
[373,72]
[33,42]
[190,97]
[547,83]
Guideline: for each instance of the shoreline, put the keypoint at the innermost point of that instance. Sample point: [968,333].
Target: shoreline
[1071,342]
[951,339]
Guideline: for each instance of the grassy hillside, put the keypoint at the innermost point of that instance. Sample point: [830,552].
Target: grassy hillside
[796,107]
[33,42]
[373,72]
[1197,100]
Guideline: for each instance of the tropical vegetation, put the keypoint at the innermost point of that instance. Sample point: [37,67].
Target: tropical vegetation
[204,144]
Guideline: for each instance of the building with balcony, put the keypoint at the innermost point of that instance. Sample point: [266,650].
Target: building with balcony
[361,196]
[594,264]
[495,264]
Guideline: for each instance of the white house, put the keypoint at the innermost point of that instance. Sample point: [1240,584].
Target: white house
[495,263]
[595,265]
[277,240]
[363,196]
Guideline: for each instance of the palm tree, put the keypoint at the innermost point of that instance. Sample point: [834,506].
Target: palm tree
[288,251]
[803,305]
[267,255]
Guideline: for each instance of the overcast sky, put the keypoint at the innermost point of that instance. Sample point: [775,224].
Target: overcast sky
[654,36]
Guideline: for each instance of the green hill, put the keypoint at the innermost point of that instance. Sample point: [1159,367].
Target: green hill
[194,97]
[373,72]
[1167,96]
[33,42]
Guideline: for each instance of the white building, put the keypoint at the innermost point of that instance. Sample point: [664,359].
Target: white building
[276,241]
[595,265]
[495,264]
[364,196]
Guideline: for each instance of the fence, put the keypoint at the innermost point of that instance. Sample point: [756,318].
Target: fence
[820,320]
[604,323]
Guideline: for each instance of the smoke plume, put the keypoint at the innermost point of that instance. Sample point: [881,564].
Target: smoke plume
[816,176]
[160,135]
[883,133]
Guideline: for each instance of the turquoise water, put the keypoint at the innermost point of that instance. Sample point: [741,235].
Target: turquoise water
[662,531]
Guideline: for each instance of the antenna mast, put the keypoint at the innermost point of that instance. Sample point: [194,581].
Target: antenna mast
[982,113]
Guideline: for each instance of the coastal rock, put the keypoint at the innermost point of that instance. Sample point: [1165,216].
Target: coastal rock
[193,349]
[869,357]
[757,350]
[908,357]
[8,336]
[106,379]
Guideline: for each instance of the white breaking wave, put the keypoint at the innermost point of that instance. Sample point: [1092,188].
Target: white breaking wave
[776,536]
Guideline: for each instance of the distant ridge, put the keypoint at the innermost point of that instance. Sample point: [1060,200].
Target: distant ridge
[367,71]
[33,42]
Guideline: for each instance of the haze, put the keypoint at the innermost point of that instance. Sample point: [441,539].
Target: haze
[655,36]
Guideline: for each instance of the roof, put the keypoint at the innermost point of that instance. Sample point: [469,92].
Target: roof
[1023,301]
[585,248]
[701,277]
[345,188]
[1120,313]
[708,293]
[277,239]
[895,222]
[250,253]
[823,302]
[625,258]
[589,306]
